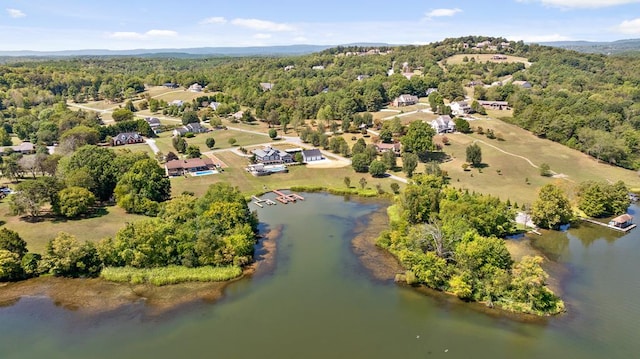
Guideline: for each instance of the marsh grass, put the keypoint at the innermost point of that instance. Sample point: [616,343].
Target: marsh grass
[169,275]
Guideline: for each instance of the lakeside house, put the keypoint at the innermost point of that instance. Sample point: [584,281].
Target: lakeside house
[311,155]
[443,124]
[622,221]
[382,147]
[405,100]
[269,156]
[460,108]
[494,105]
[180,167]
[127,138]
[25,148]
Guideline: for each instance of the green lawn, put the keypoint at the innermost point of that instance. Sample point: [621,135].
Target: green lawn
[458,59]
[92,229]
[221,136]
[573,166]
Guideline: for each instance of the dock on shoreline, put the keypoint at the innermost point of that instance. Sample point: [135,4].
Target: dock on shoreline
[619,229]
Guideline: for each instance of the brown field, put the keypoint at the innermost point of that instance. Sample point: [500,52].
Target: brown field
[457,59]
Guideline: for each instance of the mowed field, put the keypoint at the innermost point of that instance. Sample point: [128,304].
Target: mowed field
[91,229]
[510,163]
[459,58]
[164,140]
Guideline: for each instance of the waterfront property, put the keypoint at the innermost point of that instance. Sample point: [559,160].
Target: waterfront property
[622,221]
[269,156]
[311,155]
[260,169]
[195,166]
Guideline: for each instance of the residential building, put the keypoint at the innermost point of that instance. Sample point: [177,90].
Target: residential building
[311,155]
[443,124]
[405,100]
[431,90]
[153,122]
[362,77]
[269,155]
[494,105]
[523,84]
[318,67]
[170,85]
[25,148]
[214,105]
[266,86]
[177,103]
[386,147]
[460,108]
[180,167]
[196,87]
[195,127]
[126,138]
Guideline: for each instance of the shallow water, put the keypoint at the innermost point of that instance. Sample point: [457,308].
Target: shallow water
[318,301]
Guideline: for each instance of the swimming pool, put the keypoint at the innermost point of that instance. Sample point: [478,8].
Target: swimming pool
[204,173]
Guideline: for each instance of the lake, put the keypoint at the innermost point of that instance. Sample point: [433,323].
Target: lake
[319,301]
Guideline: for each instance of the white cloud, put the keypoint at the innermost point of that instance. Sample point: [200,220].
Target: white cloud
[630,27]
[131,35]
[262,36]
[583,3]
[442,12]
[15,13]
[214,20]
[262,25]
[300,39]
[539,38]
[161,33]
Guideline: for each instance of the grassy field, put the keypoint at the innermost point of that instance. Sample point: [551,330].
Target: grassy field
[506,174]
[221,136]
[92,229]
[458,59]
[183,95]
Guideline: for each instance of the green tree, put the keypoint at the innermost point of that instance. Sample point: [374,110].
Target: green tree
[419,138]
[377,168]
[66,257]
[363,182]
[409,163]
[545,170]
[179,143]
[10,268]
[600,199]
[5,138]
[462,125]
[360,162]
[193,151]
[474,154]
[347,181]
[210,142]
[31,196]
[140,189]
[552,208]
[529,286]
[389,159]
[12,242]
[122,114]
[273,134]
[386,136]
[75,201]
[395,187]
[232,141]
[99,163]
[190,116]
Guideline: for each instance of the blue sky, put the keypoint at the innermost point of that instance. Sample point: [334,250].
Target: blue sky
[134,24]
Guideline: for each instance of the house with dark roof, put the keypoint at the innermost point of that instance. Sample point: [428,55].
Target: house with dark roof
[405,100]
[180,167]
[195,127]
[153,122]
[126,138]
[443,124]
[170,85]
[270,156]
[311,155]
[494,105]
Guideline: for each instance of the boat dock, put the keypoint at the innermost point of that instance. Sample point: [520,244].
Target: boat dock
[259,202]
[619,229]
[287,198]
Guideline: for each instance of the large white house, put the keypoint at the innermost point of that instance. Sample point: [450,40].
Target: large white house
[460,108]
[443,124]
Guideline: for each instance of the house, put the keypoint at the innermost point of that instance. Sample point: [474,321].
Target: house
[153,122]
[362,77]
[196,87]
[443,124]
[311,155]
[180,167]
[622,221]
[196,127]
[386,147]
[317,67]
[214,105]
[176,103]
[494,105]
[238,115]
[523,84]
[460,108]
[266,86]
[431,90]
[405,100]
[126,138]
[269,156]
[289,67]
[474,83]
[499,57]
[170,85]
[25,148]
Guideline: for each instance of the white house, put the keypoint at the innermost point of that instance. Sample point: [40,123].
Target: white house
[460,108]
[195,87]
[443,124]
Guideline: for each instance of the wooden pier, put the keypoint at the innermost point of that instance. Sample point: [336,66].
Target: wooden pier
[287,198]
[619,229]
[259,202]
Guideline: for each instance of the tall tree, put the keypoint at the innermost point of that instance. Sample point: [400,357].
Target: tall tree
[552,208]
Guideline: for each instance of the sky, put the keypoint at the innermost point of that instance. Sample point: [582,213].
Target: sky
[46,25]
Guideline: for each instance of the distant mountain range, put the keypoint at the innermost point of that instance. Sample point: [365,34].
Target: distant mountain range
[188,52]
[613,47]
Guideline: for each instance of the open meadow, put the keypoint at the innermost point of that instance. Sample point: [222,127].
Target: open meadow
[459,58]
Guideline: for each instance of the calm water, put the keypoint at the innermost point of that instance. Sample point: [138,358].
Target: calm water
[319,302]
